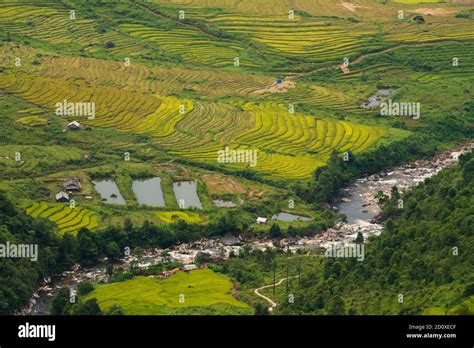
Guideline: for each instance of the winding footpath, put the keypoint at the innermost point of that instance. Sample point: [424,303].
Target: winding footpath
[269,300]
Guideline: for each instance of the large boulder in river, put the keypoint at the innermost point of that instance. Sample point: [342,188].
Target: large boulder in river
[205,257]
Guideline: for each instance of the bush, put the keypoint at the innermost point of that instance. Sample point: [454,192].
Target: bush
[85,288]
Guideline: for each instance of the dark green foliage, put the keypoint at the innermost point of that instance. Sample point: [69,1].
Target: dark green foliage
[425,251]
[19,277]
[275,231]
[115,310]
[88,307]
[261,309]
[62,303]
[84,288]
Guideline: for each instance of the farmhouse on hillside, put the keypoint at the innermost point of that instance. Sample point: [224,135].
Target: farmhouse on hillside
[72,185]
[62,197]
[74,126]
[261,220]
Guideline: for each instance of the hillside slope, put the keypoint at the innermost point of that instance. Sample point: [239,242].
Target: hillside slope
[421,263]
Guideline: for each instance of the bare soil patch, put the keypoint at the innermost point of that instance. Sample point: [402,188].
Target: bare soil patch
[349,6]
[276,87]
[220,184]
[433,11]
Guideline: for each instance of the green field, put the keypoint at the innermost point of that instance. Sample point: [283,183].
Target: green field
[67,219]
[205,292]
[167,90]
[176,82]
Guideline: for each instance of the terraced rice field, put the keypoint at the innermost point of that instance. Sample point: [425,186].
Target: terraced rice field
[363,8]
[68,220]
[52,24]
[311,39]
[174,216]
[136,77]
[194,112]
[189,44]
[288,145]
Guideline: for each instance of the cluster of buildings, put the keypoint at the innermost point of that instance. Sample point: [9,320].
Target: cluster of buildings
[69,186]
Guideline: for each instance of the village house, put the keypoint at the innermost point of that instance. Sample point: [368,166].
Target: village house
[72,185]
[262,220]
[62,197]
[74,126]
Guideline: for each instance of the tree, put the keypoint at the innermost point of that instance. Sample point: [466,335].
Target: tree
[68,249]
[88,307]
[336,306]
[394,194]
[275,231]
[113,250]
[319,302]
[87,249]
[115,310]
[261,309]
[109,271]
[61,303]
[84,288]
[292,231]
[392,276]
[128,225]
[359,239]
[381,197]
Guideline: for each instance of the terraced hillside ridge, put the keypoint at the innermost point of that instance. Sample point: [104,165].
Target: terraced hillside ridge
[175,216]
[52,23]
[288,145]
[68,220]
[203,291]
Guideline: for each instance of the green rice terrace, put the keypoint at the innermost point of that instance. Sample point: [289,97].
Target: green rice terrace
[159,123]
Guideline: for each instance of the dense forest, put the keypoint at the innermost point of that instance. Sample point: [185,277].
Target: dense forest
[20,277]
[420,263]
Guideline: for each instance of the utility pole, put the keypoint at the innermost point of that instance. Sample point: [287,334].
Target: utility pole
[299,272]
[274,276]
[287,280]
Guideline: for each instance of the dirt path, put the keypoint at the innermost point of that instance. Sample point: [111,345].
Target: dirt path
[269,300]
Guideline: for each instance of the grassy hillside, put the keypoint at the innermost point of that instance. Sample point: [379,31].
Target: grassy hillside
[173,82]
[424,254]
[195,292]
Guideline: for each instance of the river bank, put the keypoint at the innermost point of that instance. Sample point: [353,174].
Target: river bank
[357,202]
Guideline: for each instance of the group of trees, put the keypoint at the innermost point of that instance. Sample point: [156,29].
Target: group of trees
[428,245]
[328,180]
[20,276]
[66,303]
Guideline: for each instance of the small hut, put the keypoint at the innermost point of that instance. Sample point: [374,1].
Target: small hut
[74,126]
[62,197]
[72,185]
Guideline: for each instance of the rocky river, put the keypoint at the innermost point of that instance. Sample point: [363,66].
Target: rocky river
[357,203]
